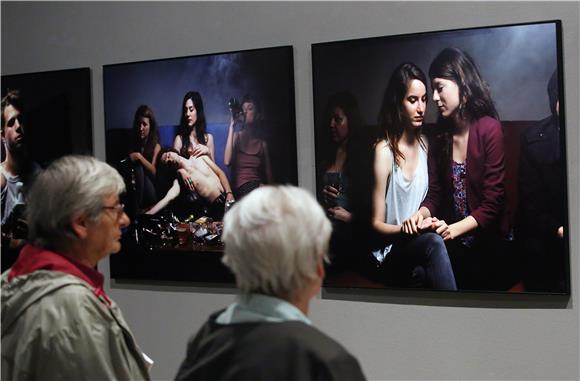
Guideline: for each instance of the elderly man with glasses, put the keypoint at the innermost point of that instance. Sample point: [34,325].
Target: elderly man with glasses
[57,322]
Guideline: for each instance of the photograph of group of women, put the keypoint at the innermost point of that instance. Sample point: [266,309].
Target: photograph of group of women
[440,160]
[191,136]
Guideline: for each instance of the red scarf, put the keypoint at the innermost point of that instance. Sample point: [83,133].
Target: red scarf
[32,258]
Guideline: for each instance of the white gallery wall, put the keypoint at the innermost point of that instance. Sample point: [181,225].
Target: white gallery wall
[396,335]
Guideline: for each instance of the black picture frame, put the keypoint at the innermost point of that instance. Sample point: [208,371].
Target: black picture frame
[265,73]
[516,60]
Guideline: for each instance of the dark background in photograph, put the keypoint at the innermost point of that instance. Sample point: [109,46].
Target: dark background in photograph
[516,62]
[57,110]
[57,120]
[266,74]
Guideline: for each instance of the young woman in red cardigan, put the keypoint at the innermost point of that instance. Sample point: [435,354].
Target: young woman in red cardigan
[466,170]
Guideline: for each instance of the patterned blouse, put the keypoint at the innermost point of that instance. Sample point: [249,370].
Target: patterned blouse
[460,206]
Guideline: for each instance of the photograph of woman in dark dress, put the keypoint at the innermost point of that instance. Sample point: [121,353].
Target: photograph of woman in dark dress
[342,121]
[144,155]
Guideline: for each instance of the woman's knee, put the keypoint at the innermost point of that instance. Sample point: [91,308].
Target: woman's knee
[432,240]
[435,246]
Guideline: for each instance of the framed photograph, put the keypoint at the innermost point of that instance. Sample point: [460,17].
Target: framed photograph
[191,136]
[45,115]
[440,159]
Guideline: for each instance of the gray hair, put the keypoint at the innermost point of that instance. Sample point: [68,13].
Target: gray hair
[70,186]
[273,240]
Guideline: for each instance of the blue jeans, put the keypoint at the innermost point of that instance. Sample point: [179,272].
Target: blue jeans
[420,261]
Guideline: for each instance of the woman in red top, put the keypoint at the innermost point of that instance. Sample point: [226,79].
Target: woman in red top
[466,169]
[247,152]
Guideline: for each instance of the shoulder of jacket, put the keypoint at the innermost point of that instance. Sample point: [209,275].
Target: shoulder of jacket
[52,291]
[305,333]
[538,131]
[487,123]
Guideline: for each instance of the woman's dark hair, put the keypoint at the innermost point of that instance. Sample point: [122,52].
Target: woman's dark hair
[390,119]
[249,98]
[345,101]
[474,94]
[148,147]
[257,130]
[200,124]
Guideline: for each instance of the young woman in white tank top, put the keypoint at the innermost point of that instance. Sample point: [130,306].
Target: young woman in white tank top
[401,182]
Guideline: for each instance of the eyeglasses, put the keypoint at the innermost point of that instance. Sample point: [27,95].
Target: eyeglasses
[119,208]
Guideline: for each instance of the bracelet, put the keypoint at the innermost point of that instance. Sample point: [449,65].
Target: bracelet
[230,192]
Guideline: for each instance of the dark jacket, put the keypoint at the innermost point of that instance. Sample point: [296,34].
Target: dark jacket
[542,185]
[266,351]
[485,178]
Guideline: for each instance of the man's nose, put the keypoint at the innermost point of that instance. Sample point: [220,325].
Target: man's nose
[125,220]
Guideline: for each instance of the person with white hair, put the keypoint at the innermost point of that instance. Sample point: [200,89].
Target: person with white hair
[276,241]
[57,322]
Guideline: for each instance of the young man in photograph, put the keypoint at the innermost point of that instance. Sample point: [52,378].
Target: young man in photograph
[16,172]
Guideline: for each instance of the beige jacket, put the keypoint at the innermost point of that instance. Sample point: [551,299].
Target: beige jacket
[54,327]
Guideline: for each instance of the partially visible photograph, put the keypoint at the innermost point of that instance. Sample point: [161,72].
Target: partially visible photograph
[45,115]
[440,159]
[192,136]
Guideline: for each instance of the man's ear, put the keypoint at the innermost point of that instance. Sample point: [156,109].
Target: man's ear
[79,226]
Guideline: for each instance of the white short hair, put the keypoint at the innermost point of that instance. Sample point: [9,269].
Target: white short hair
[70,185]
[274,238]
